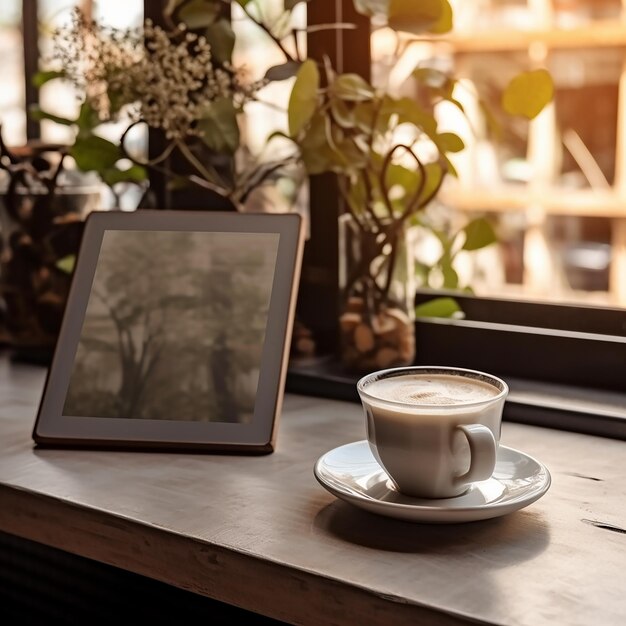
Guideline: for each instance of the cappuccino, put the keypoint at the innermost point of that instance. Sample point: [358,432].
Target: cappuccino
[434,389]
[434,430]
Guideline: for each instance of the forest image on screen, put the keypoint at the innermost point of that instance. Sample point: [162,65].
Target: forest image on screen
[174,327]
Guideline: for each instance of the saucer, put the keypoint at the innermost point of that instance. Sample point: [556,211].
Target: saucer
[351,473]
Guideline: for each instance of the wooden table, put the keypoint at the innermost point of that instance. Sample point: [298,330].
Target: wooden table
[260,533]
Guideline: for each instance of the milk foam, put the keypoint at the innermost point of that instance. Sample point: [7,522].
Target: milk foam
[438,389]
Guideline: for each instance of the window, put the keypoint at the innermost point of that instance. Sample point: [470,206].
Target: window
[565,362]
[558,196]
[12,95]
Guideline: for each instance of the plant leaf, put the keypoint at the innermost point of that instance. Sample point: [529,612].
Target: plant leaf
[317,155]
[219,128]
[66,264]
[199,13]
[450,277]
[434,173]
[445,22]
[38,114]
[221,38]
[352,87]
[87,118]
[409,111]
[134,174]
[479,233]
[94,153]
[528,93]
[449,142]
[342,113]
[41,78]
[303,98]
[416,16]
[290,4]
[283,71]
[438,307]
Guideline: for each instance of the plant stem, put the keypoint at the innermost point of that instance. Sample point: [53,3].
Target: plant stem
[269,33]
[346,198]
[260,174]
[206,174]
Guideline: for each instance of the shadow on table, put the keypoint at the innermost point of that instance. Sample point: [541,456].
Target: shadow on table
[503,541]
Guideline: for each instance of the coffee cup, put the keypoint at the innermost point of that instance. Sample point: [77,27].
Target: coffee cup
[434,430]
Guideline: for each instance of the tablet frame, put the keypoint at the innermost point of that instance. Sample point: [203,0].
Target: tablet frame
[53,429]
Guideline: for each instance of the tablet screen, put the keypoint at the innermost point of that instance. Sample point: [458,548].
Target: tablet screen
[174,327]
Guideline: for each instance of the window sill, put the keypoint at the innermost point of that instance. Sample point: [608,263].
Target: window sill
[551,405]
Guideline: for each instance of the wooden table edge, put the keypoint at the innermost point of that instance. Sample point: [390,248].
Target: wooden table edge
[224,574]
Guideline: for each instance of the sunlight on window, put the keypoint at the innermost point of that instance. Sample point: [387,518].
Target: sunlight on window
[256,53]
[12,115]
[555,188]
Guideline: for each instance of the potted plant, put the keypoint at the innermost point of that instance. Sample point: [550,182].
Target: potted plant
[391,160]
[387,150]
[41,211]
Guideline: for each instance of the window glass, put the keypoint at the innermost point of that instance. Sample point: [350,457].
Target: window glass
[12,114]
[255,52]
[555,188]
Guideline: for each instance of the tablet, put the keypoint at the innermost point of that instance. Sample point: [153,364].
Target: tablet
[176,333]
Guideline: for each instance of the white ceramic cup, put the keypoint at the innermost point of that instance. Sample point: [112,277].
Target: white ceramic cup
[431,447]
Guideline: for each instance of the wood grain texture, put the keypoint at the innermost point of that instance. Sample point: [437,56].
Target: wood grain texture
[260,533]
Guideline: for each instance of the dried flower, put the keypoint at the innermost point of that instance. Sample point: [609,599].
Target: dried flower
[166,79]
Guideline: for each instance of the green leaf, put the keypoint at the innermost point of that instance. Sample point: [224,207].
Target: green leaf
[409,111]
[317,156]
[436,79]
[94,153]
[303,99]
[134,174]
[41,78]
[221,38]
[290,4]
[445,22]
[38,114]
[450,277]
[434,173]
[416,16]
[364,116]
[351,87]
[283,71]
[438,307]
[399,176]
[199,13]
[87,118]
[66,264]
[528,93]
[478,234]
[450,167]
[342,113]
[219,128]
[449,142]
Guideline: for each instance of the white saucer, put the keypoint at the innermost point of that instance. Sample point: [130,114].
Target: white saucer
[350,472]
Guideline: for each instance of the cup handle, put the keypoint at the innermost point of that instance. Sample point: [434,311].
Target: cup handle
[483,450]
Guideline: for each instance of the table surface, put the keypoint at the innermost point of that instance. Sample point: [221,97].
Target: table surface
[260,533]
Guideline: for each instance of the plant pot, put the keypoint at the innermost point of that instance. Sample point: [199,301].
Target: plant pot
[377,321]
